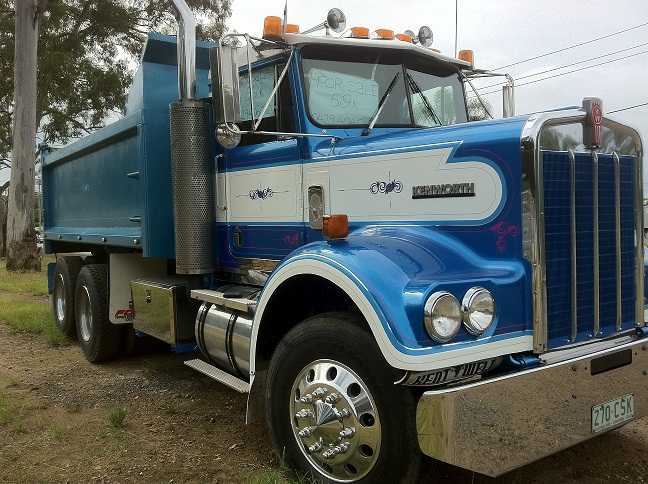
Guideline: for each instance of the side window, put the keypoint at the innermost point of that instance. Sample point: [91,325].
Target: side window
[278,116]
[263,82]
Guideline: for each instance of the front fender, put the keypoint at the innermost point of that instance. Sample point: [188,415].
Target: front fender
[390,271]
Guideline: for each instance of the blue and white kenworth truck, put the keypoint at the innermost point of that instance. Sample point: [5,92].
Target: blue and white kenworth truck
[318,219]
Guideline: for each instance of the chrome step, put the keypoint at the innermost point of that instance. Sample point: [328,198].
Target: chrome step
[217,297]
[219,375]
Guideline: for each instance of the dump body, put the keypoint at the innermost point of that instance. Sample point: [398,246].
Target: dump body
[113,188]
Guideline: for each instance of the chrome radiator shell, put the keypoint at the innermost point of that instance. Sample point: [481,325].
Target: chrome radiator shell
[193,187]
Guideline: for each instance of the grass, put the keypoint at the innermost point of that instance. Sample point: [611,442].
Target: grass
[56,432]
[26,316]
[8,411]
[117,418]
[31,283]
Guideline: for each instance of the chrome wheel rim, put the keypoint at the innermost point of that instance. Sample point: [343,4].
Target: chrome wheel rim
[59,298]
[85,314]
[335,421]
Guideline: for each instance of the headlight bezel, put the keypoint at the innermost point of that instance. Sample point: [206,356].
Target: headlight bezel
[468,307]
[431,304]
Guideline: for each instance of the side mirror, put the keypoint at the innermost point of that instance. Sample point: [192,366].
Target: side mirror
[225,84]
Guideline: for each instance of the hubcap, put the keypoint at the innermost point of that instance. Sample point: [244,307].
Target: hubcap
[335,421]
[59,298]
[85,314]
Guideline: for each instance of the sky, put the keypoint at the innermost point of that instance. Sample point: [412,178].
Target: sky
[505,31]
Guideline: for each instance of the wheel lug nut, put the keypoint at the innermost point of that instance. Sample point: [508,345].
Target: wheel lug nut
[308,398]
[306,432]
[341,413]
[347,432]
[332,398]
[316,447]
[303,413]
[319,392]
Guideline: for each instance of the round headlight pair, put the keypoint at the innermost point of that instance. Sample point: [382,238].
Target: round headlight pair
[444,314]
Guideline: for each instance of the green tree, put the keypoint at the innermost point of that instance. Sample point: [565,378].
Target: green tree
[86,52]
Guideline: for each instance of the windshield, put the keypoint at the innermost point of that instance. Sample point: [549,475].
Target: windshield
[344,88]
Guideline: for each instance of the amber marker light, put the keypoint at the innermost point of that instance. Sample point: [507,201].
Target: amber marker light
[384,34]
[335,226]
[272,28]
[292,28]
[405,38]
[360,32]
[467,56]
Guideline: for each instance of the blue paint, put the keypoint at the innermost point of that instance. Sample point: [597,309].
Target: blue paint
[87,192]
[397,268]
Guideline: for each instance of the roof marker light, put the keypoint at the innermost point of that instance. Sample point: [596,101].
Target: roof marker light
[405,38]
[384,34]
[360,32]
[292,28]
[272,28]
[467,56]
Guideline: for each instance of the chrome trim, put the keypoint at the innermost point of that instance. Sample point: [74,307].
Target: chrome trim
[596,261]
[574,248]
[548,409]
[533,181]
[639,241]
[186,49]
[617,243]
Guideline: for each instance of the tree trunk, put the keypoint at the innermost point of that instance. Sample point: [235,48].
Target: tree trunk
[3,226]
[22,252]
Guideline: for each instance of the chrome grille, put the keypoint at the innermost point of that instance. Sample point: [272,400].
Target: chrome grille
[590,222]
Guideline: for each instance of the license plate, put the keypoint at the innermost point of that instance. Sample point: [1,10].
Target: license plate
[610,414]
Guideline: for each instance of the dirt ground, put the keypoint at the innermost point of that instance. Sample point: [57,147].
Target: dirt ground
[55,426]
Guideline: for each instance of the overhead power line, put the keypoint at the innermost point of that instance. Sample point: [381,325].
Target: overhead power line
[569,72]
[573,46]
[627,108]
[567,65]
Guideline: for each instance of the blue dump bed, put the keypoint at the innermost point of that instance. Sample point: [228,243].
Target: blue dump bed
[113,187]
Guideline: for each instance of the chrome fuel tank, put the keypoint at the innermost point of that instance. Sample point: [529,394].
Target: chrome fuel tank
[223,336]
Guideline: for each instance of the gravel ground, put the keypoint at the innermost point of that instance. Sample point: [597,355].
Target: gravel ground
[182,427]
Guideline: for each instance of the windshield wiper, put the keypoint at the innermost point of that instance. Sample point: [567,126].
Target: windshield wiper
[417,90]
[381,105]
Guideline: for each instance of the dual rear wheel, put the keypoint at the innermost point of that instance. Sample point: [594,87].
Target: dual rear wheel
[80,306]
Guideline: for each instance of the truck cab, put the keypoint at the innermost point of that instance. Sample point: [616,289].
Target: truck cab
[315,221]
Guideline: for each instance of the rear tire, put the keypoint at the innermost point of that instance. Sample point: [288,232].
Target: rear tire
[64,282]
[98,337]
[333,409]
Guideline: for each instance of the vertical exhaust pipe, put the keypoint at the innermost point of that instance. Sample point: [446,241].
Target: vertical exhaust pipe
[186,49]
[192,174]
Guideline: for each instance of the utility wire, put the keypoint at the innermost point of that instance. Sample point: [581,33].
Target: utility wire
[566,66]
[627,108]
[570,72]
[573,46]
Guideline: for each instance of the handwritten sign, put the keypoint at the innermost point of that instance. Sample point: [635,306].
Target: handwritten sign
[263,82]
[344,99]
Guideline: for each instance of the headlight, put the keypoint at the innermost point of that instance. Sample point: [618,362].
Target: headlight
[478,308]
[442,316]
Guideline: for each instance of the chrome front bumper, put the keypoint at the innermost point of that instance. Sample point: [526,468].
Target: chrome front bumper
[494,426]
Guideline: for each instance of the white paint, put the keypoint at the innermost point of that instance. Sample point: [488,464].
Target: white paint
[281,201]
[394,357]
[348,189]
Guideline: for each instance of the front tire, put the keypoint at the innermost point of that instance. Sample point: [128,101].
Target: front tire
[98,337]
[333,409]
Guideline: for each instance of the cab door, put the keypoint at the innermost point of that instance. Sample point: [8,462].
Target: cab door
[263,175]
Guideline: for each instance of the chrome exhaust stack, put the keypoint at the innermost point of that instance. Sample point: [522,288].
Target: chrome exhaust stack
[193,179]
